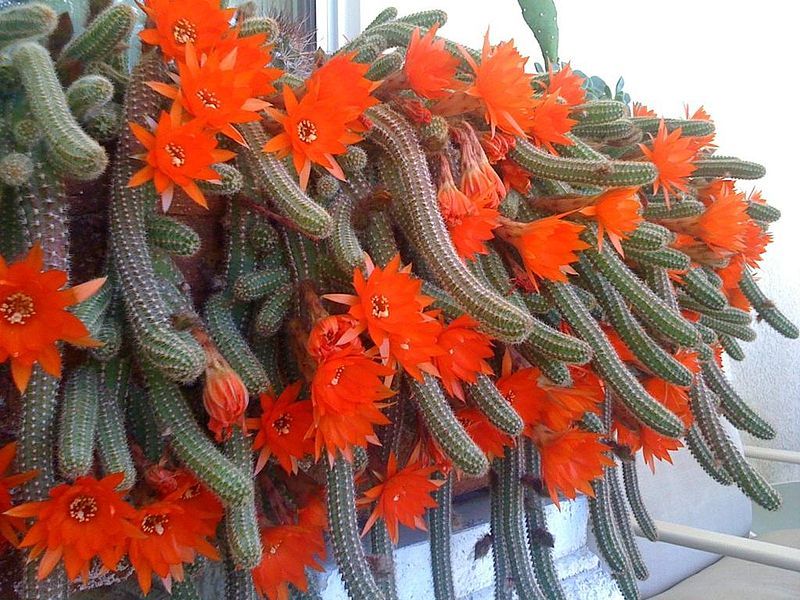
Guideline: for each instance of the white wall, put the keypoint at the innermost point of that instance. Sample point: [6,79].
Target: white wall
[734,57]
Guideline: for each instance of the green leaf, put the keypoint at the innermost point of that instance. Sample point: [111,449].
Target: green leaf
[541,17]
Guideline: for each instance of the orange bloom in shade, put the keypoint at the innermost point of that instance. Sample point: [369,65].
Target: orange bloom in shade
[429,68]
[282,428]
[215,90]
[503,86]
[198,501]
[286,555]
[672,155]
[497,146]
[465,354]
[177,154]
[550,123]
[489,438]
[34,315]
[673,397]
[653,445]
[547,246]
[333,334]
[723,226]
[202,23]
[515,177]
[566,84]
[570,461]
[617,212]
[78,522]
[225,397]
[731,276]
[641,110]
[10,526]
[479,181]
[169,538]
[401,497]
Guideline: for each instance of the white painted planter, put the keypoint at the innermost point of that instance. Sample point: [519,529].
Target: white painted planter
[578,567]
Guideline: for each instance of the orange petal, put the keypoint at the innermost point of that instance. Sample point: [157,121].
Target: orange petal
[87,290]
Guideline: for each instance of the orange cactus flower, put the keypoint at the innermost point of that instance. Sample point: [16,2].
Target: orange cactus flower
[731,275]
[570,461]
[429,68]
[550,123]
[341,81]
[333,334]
[515,177]
[673,397]
[503,86]
[497,146]
[282,429]
[10,526]
[489,438]
[177,154]
[202,23]
[464,357]
[701,142]
[225,397]
[253,56]
[672,155]
[547,246]
[566,84]
[78,522]
[641,110]
[401,497]
[479,181]
[617,212]
[286,556]
[653,445]
[34,315]
[198,501]
[756,241]
[723,226]
[170,539]
[215,90]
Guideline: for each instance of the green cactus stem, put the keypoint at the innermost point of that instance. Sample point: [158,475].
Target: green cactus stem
[763,212]
[108,30]
[88,94]
[172,236]
[230,181]
[705,458]
[630,478]
[112,439]
[666,258]
[604,132]
[605,528]
[541,17]
[648,236]
[599,111]
[78,428]
[347,251]
[259,284]
[733,407]
[16,169]
[387,14]
[385,65]
[383,554]
[682,208]
[485,395]
[555,370]
[241,520]
[697,285]
[765,308]
[273,311]
[26,21]
[741,332]
[440,526]
[623,524]
[728,167]
[688,127]
[503,579]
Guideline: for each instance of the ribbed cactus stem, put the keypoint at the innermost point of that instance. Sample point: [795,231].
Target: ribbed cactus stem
[78,427]
[241,520]
[503,582]
[344,535]
[347,251]
[229,182]
[705,458]
[728,167]
[383,554]
[26,21]
[87,94]
[599,111]
[109,29]
[765,308]
[238,582]
[735,409]
[622,520]
[485,395]
[630,478]
[441,529]
[112,439]
[172,236]
[604,527]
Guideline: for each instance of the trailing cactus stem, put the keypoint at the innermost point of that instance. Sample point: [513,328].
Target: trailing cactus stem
[440,527]
[76,439]
[640,513]
[241,520]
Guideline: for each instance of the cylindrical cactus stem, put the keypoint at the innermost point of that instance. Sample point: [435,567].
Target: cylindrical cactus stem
[71,150]
[191,444]
[15,169]
[185,589]
[445,428]
[344,535]
[257,25]
[738,331]
[441,529]
[705,458]
[626,583]
[26,21]
[763,212]
[110,335]
[514,533]
[599,111]
[503,579]
[273,311]
[385,65]
[108,30]
[728,167]
[614,372]
[680,208]
[555,370]
[536,522]
[410,183]
[78,428]
[697,285]
[259,284]
[647,350]
[172,236]
[272,178]
[230,342]
[178,355]
[658,280]
[648,236]
[639,511]
[498,410]
[646,303]
[607,173]
[605,132]
[229,182]
[765,308]
[733,407]
[383,556]
[378,238]
[592,423]
[241,520]
[87,94]
[667,258]
[425,18]
[105,123]
[744,475]
[623,522]
[112,439]
[730,314]
[387,14]
[238,583]
[688,127]
[347,251]
[605,529]
[731,346]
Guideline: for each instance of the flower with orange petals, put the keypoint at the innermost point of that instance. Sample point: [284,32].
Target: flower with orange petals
[79,521]
[489,438]
[169,539]
[548,246]
[566,84]
[515,177]
[673,157]
[34,315]
[617,212]
[10,526]
[225,397]
[641,110]
[503,86]
[341,81]
[756,241]
[570,461]
[401,497]
[253,56]
[282,429]
[465,353]
[286,555]
[550,123]
[216,91]
[429,68]
[177,154]
[479,181]
[674,398]
[731,275]
[333,334]
[653,445]
[202,23]
[723,226]
[701,142]
[197,500]
[497,146]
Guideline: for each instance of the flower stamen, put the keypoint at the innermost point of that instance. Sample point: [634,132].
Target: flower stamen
[184,31]
[306,131]
[17,308]
[83,509]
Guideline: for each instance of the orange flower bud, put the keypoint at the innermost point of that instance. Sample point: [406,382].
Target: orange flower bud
[224,397]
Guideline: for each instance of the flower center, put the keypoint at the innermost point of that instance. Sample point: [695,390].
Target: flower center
[176,153]
[184,31]
[17,308]
[273,548]
[83,509]
[380,307]
[337,376]
[306,131]
[155,524]
[208,98]
[282,424]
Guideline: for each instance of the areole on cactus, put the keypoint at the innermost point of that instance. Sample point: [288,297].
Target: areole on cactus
[426,262]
